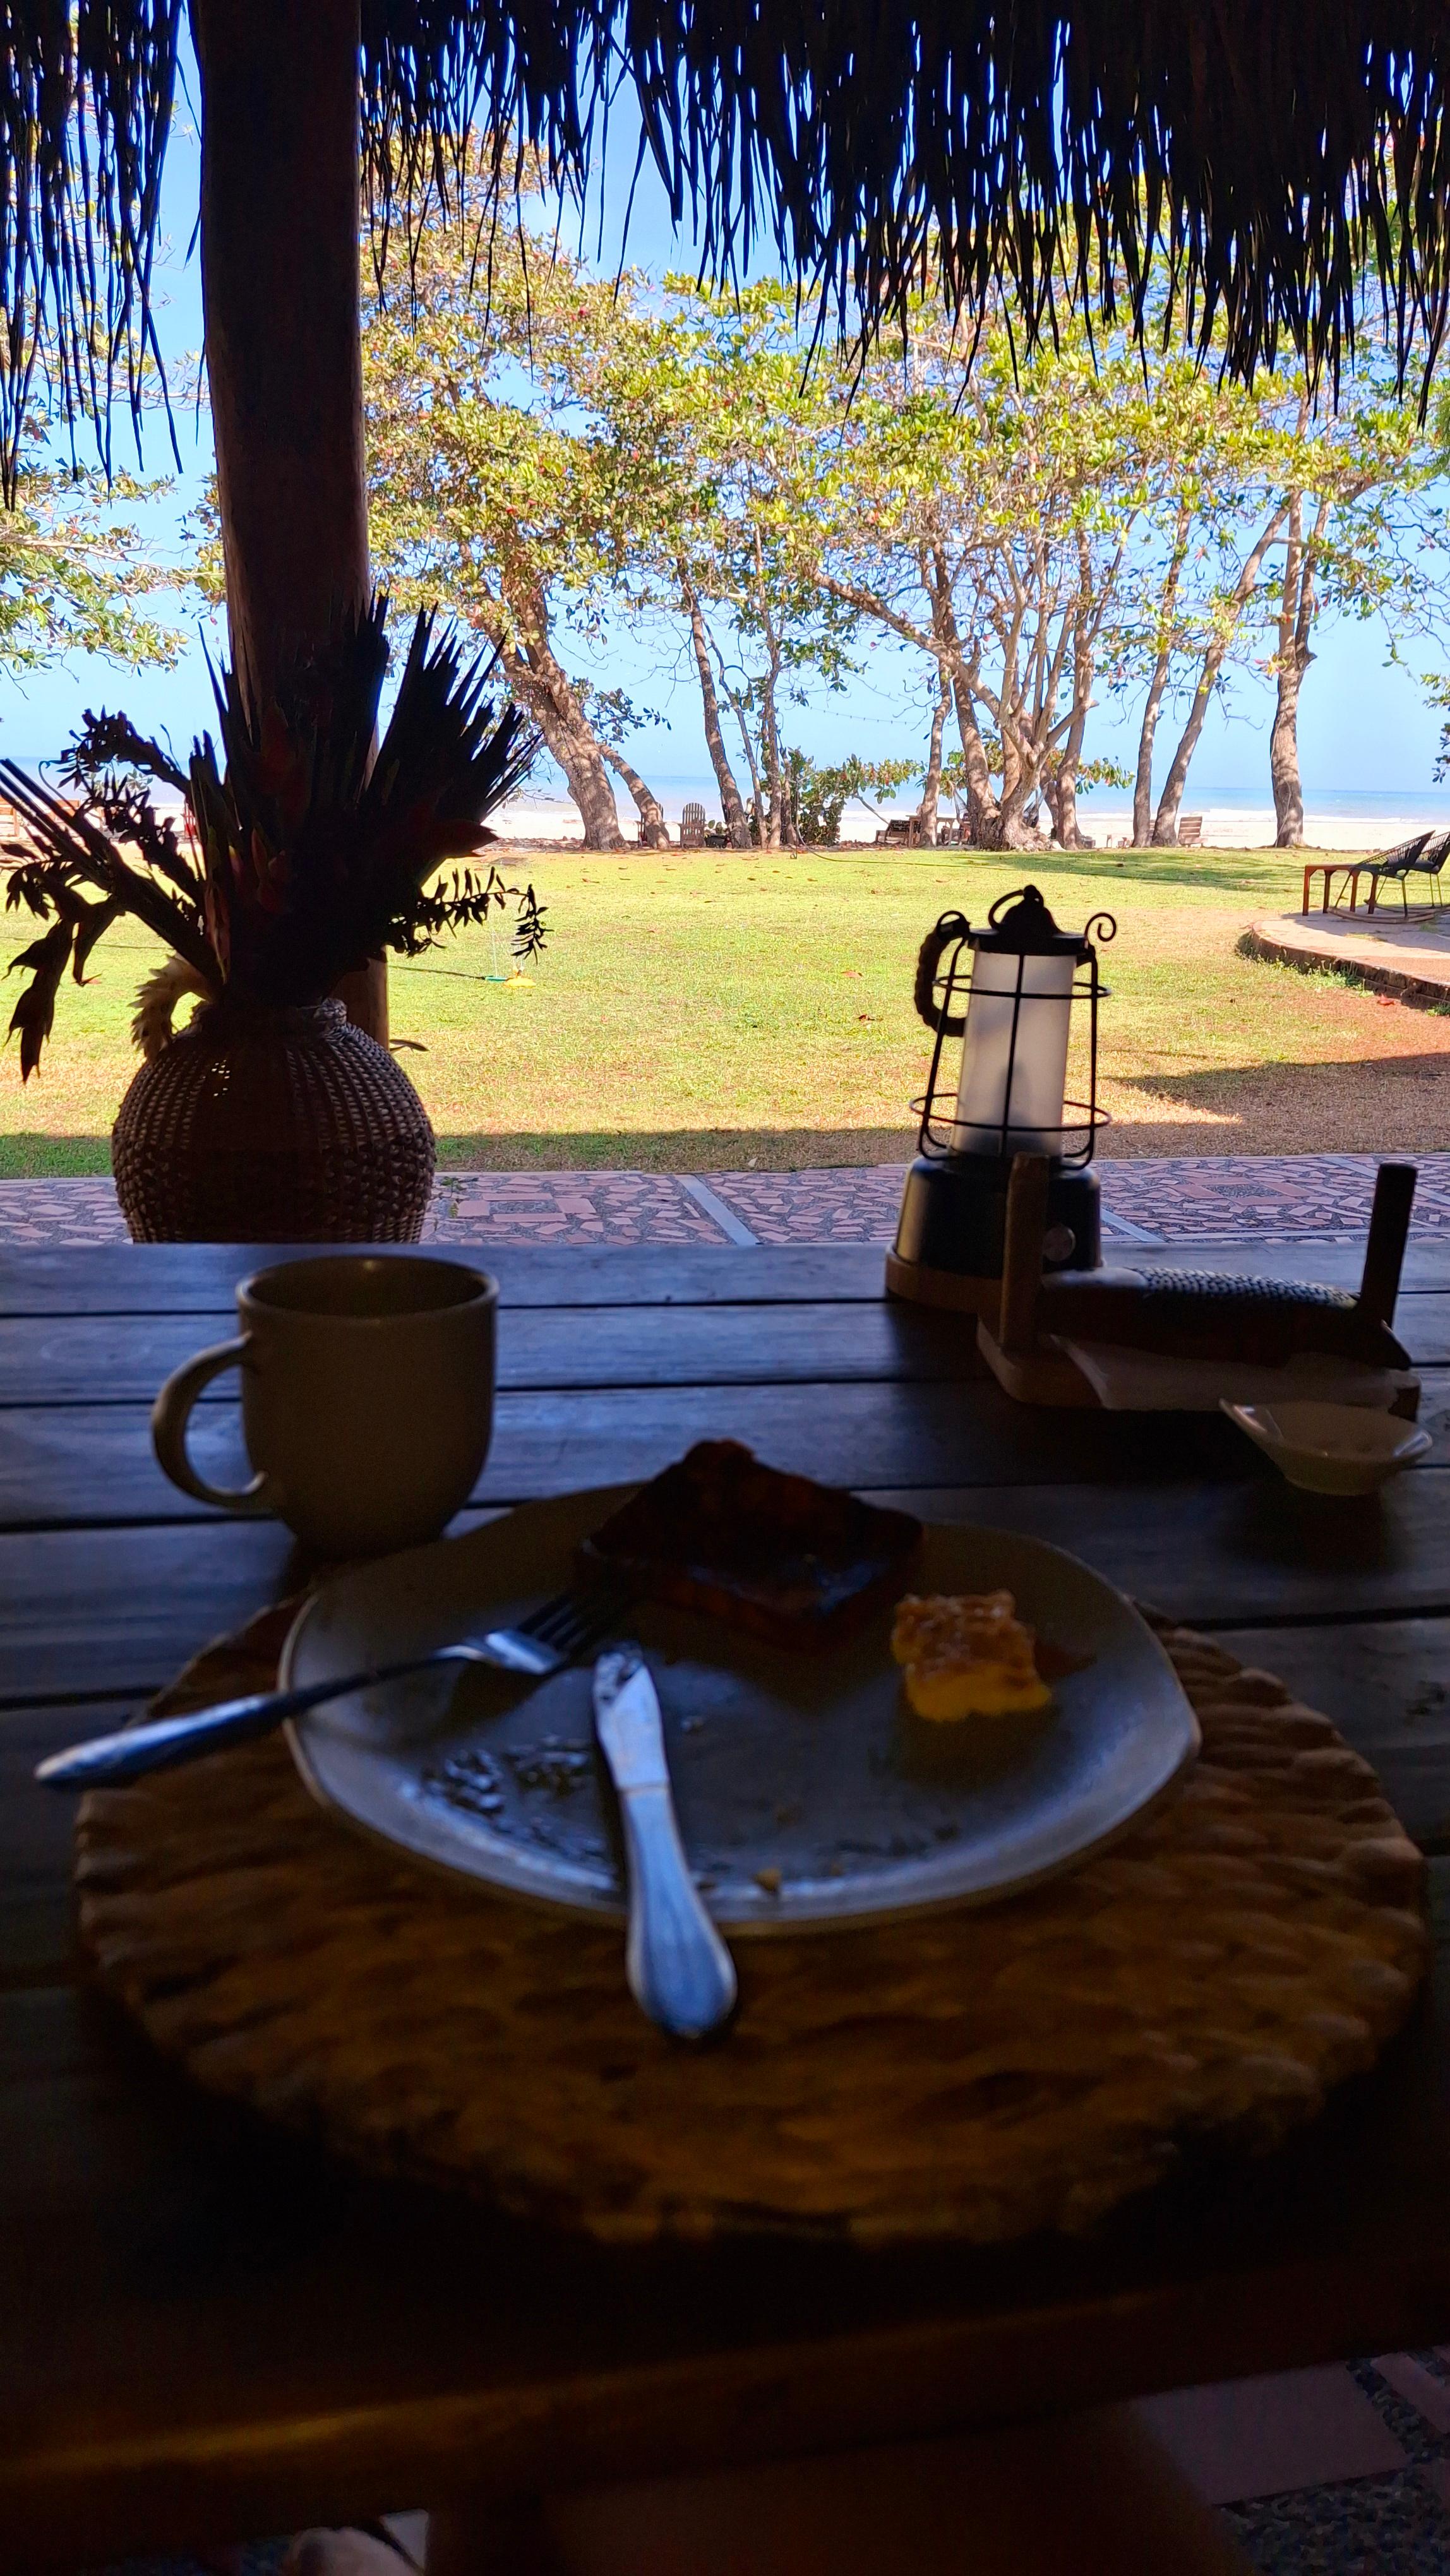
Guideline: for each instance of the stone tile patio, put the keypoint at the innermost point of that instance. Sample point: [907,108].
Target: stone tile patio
[1187,1199]
[1406,956]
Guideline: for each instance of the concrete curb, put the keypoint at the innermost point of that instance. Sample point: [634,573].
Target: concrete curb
[1266,942]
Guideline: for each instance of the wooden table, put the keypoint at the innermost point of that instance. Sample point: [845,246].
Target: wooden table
[207,2331]
[1329,869]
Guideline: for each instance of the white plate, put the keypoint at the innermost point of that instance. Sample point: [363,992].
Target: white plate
[809,1767]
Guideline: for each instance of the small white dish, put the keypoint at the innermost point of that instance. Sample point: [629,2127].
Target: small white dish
[1331,1448]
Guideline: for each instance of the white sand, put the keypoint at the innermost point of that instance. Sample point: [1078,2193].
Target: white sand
[554,818]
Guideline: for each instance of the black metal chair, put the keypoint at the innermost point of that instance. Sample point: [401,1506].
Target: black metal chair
[1430,862]
[1397,866]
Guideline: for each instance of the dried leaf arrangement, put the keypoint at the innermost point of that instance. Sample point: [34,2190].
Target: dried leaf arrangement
[306,855]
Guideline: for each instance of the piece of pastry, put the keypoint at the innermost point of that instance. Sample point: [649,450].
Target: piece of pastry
[967,1654]
[792,1561]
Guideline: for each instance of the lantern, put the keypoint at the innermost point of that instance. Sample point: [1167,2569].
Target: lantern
[1018,979]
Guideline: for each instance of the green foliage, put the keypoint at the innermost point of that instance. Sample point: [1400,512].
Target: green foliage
[73,572]
[818,796]
[309,855]
[1043,529]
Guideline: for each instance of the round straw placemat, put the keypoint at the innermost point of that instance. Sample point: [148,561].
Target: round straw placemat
[977,2074]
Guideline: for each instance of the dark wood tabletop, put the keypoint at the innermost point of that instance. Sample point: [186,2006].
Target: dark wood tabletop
[208,2331]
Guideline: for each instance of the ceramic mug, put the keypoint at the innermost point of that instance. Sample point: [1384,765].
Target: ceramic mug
[367,1398]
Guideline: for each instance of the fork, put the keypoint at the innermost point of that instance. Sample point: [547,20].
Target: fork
[561,1631]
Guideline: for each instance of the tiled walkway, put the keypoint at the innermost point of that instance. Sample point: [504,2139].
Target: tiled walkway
[1190,1199]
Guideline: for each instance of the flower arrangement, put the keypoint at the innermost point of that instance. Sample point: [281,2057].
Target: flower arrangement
[306,857]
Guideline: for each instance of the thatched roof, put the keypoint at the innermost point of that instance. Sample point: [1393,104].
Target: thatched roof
[1269,154]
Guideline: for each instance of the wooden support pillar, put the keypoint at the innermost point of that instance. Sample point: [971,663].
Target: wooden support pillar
[279,268]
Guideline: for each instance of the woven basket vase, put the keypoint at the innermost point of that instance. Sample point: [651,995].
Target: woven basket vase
[261,1126]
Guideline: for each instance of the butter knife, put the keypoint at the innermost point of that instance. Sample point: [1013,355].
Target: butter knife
[680,1973]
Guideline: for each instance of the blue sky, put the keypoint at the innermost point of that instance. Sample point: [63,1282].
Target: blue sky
[1363,726]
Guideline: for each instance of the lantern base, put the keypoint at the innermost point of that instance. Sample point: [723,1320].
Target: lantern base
[951,1289]
[949,1241]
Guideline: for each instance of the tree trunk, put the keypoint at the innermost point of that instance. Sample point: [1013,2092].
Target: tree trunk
[771,748]
[1013,831]
[1170,803]
[654,830]
[543,687]
[931,783]
[731,802]
[279,267]
[1143,781]
[1284,763]
[770,729]
[756,820]
[983,812]
[1296,624]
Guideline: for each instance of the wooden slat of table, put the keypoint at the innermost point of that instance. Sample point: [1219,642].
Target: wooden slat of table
[36,1944]
[73,1465]
[198,1278]
[123,1359]
[115,1613]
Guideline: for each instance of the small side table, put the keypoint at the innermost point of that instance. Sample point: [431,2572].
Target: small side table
[1329,869]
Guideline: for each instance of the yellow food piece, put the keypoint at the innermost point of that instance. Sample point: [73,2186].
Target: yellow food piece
[966,1654]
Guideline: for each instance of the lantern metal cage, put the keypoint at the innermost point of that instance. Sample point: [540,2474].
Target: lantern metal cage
[1013,1017]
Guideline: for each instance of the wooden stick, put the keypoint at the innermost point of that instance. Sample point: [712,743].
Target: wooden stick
[1022,1251]
[1389,1227]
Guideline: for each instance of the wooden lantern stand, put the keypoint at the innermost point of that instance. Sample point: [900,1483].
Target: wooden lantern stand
[1030,1367]
[1182,1315]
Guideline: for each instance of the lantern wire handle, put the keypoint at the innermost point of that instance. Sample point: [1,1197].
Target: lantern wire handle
[1104,925]
[952,926]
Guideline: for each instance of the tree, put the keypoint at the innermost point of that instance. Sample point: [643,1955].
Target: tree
[506,509]
[714,425]
[983,511]
[1361,533]
[73,572]
[816,797]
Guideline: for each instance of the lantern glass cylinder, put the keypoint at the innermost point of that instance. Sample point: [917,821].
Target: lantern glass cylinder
[1021,1042]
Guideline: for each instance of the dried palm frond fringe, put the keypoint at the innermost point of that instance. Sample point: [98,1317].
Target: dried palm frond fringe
[1270,160]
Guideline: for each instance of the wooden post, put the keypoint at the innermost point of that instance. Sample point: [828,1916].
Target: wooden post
[279,267]
[1022,1253]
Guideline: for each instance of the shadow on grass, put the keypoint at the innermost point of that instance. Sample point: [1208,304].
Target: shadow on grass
[1365,1108]
[1219,871]
[52,1158]
[721,1149]
[688,1149]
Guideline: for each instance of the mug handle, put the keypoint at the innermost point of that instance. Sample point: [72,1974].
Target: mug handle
[171,1414]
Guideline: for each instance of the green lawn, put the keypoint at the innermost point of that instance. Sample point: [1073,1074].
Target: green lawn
[698,1012]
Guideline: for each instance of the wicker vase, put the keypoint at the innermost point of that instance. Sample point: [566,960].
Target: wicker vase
[259,1126]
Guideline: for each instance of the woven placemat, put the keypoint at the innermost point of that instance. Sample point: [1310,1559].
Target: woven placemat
[969,2074]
